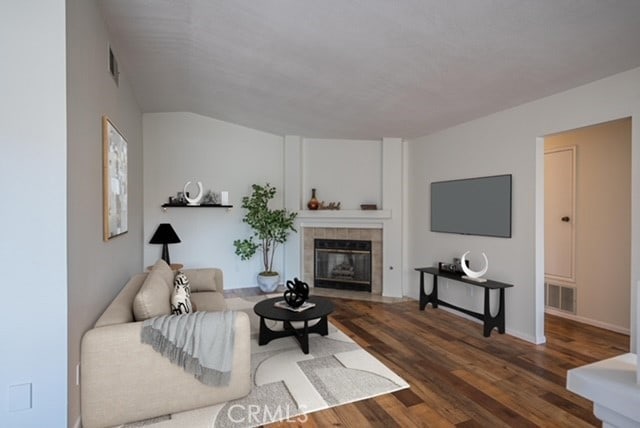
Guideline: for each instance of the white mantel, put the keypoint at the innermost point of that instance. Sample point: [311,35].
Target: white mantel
[343,218]
[344,214]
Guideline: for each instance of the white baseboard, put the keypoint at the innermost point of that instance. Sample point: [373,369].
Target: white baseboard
[536,340]
[589,321]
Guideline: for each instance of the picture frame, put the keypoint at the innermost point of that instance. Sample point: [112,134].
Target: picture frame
[114,180]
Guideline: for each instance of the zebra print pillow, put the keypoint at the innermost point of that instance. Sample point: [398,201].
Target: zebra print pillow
[181,297]
[182,279]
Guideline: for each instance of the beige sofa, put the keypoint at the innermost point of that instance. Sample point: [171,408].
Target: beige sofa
[123,380]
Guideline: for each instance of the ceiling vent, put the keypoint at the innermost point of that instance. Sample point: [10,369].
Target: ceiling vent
[113,65]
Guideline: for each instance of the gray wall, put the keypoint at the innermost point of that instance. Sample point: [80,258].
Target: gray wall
[97,269]
[33,173]
[181,147]
[510,142]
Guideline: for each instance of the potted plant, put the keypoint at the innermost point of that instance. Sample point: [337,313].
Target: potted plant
[270,228]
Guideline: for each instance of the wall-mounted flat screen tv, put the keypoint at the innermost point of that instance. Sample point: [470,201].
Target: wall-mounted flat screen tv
[472,206]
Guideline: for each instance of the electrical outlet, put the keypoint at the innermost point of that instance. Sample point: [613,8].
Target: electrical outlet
[20,397]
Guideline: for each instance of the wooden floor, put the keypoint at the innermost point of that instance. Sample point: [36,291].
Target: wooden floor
[460,378]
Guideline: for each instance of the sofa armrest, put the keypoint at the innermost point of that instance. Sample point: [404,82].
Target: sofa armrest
[208,279]
[123,380]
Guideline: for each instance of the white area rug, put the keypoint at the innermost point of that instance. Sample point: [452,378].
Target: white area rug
[287,384]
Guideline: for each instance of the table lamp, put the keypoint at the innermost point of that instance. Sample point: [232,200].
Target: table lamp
[165,235]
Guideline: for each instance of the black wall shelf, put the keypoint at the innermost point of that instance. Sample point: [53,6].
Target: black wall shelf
[196,206]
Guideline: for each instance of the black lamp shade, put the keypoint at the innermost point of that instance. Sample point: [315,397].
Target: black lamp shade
[165,235]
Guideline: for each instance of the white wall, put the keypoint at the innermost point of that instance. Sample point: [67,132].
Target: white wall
[294,200]
[345,171]
[97,269]
[351,172]
[602,221]
[33,173]
[507,142]
[181,147]
[392,232]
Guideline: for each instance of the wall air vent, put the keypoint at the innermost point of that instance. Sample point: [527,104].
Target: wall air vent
[560,297]
[113,65]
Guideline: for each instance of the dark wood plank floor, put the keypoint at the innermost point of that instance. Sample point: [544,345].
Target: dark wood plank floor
[460,378]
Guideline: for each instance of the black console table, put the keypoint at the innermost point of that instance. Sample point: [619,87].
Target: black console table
[490,322]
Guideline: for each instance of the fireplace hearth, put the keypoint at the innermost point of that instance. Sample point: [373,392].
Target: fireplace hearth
[343,264]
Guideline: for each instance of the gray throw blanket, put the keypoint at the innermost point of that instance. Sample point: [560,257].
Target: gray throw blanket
[199,342]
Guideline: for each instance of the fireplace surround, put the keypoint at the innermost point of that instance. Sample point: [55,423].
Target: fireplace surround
[374,235]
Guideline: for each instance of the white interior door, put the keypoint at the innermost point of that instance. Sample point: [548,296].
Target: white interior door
[559,213]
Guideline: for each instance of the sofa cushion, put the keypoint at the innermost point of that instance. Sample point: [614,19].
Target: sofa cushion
[154,297]
[204,279]
[208,301]
[165,271]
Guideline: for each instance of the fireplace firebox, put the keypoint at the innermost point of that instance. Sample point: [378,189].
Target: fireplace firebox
[343,264]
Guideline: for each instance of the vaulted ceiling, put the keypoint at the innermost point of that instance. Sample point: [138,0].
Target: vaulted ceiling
[364,68]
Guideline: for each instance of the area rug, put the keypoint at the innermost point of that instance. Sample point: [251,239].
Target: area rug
[287,384]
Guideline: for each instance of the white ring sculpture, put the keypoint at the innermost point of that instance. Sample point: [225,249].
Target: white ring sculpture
[470,273]
[196,200]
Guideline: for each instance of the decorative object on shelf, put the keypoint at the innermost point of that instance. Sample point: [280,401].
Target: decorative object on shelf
[313,203]
[165,235]
[165,206]
[455,267]
[210,198]
[114,181]
[368,207]
[224,197]
[473,275]
[196,200]
[270,228]
[329,206]
[180,199]
[297,293]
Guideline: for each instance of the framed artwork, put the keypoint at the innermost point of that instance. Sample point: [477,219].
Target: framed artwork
[114,180]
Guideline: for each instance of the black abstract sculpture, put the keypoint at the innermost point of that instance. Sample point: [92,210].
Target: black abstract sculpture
[297,293]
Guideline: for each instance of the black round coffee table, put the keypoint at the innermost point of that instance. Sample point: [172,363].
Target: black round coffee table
[266,310]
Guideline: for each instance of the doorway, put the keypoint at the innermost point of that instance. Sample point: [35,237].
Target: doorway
[588,224]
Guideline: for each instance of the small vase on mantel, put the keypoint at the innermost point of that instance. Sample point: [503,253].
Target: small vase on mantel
[313,203]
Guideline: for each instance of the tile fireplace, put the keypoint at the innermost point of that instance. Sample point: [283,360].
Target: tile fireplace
[342,252]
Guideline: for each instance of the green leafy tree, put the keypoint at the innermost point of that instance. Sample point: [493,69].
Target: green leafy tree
[270,227]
